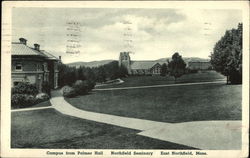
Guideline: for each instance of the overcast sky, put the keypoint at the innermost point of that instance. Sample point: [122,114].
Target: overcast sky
[155,33]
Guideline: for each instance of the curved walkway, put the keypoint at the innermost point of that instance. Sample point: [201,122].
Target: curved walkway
[219,135]
[30,109]
[120,81]
[156,86]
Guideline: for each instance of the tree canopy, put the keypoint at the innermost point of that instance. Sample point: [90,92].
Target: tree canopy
[164,69]
[176,66]
[226,57]
[68,75]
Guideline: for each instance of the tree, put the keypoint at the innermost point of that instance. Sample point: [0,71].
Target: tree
[226,57]
[80,72]
[164,69]
[123,71]
[101,75]
[176,66]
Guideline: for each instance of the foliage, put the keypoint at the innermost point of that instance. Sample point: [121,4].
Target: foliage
[25,88]
[191,70]
[40,97]
[176,66]
[69,75]
[80,72]
[83,87]
[80,87]
[22,100]
[164,69]
[227,55]
[23,95]
[90,84]
[123,72]
[68,91]
[46,88]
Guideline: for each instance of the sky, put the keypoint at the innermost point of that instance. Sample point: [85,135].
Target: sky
[102,33]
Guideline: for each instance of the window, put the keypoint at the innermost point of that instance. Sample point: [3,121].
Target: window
[18,67]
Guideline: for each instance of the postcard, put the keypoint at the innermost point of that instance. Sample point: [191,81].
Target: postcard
[125,79]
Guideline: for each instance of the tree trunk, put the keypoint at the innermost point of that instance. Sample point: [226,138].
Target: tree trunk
[227,79]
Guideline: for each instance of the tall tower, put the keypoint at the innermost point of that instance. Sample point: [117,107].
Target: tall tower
[124,60]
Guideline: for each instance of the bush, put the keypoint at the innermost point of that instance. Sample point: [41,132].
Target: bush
[25,88]
[91,84]
[81,87]
[68,91]
[40,97]
[191,71]
[46,88]
[22,100]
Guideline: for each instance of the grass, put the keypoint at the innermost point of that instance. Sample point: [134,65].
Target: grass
[167,104]
[158,80]
[50,129]
[42,104]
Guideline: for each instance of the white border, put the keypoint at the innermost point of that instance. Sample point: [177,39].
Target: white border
[6,67]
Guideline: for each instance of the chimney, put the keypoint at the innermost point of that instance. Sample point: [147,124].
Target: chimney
[23,41]
[37,46]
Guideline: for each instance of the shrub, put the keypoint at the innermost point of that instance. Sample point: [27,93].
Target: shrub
[191,71]
[46,88]
[68,91]
[91,84]
[25,88]
[40,97]
[81,87]
[22,100]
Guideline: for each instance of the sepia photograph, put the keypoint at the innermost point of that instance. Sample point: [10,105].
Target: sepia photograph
[133,80]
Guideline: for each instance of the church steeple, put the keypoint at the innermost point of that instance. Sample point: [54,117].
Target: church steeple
[124,60]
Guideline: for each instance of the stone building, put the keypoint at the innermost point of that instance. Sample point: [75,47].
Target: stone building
[32,65]
[141,67]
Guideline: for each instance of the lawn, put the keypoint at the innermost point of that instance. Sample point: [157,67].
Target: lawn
[50,129]
[158,80]
[168,104]
[42,104]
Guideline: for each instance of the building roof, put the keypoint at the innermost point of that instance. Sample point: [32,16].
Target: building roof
[23,50]
[144,64]
[49,56]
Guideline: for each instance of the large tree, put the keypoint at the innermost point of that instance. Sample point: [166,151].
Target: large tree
[176,66]
[164,69]
[226,57]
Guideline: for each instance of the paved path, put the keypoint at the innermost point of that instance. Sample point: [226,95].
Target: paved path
[107,84]
[155,86]
[219,135]
[209,135]
[30,109]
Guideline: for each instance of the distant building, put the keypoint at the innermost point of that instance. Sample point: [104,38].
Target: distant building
[33,65]
[199,65]
[142,67]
